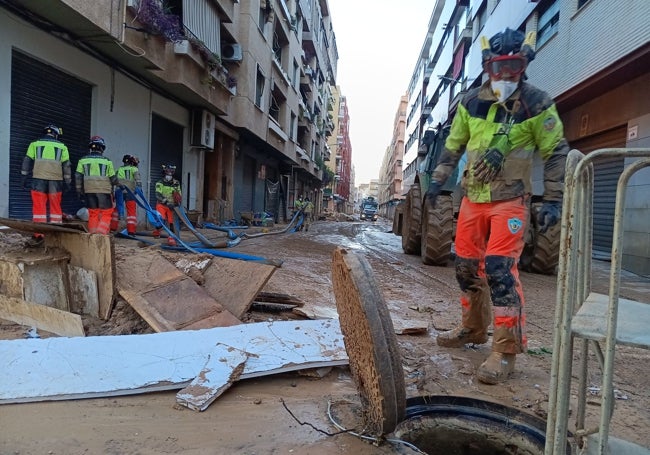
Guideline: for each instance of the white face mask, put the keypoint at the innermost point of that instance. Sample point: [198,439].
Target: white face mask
[503,89]
[168,178]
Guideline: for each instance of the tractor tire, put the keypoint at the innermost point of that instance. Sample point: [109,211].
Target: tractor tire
[411,230]
[547,252]
[542,251]
[437,231]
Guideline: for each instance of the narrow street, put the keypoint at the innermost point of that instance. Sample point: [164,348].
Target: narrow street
[250,418]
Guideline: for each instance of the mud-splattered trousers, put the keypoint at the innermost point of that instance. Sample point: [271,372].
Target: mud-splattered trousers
[493,215]
[489,241]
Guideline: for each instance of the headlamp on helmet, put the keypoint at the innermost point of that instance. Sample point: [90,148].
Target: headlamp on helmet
[97,144]
[53,130]
[126,159]
[168,169]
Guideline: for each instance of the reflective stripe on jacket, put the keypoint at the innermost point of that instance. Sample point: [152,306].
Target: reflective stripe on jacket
[537,127]
[95,174]
[129,176]
[165,190]
[50,160]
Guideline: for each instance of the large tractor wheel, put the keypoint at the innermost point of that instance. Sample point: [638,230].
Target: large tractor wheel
[542,251]
[411,221]
[437,231]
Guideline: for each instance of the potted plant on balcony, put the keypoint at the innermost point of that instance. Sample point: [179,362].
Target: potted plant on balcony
[157,19]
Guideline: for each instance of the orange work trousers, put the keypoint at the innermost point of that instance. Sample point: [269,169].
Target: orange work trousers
[131,217]
[489,241]
[39,207]
[99,220]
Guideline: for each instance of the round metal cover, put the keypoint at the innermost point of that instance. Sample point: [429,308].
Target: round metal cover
[370,342]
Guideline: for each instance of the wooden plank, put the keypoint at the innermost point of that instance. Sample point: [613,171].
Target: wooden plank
[224,366]
[234,284]
[269,307]
[93,252]
[92,367]
[30,226]
[42,317]
[275,297]
[167,298]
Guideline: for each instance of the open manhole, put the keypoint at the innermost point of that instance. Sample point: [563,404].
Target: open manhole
[434,424]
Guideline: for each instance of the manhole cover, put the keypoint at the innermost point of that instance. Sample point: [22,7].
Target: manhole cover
[370,342]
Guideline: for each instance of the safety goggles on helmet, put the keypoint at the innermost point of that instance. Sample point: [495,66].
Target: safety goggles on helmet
[169,169]
[97,143]
[512,65]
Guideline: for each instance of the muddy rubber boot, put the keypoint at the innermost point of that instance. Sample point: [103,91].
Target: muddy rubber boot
[156,233]
[171,241]
[496,368]
[459,337]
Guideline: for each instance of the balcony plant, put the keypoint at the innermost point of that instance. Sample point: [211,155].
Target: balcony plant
[157,19]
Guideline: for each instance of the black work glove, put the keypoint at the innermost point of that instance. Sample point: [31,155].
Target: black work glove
[549,215]
[432,193]
[488,166]
[23,182]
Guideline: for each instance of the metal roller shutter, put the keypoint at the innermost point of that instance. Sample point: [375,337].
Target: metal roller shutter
[246,194]
[166,147]
[40,95]
[606,173]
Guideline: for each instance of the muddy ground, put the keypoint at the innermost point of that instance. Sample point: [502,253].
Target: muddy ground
[288,413]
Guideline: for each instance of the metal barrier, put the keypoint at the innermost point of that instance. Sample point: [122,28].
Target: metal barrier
[588,318]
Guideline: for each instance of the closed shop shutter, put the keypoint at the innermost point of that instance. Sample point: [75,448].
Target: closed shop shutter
[40,95]
[166,148]
[606,173]
[246,193]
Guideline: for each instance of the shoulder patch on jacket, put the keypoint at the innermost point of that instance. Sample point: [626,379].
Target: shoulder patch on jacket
[549,123]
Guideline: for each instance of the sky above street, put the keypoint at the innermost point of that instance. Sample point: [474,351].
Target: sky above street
[378,42]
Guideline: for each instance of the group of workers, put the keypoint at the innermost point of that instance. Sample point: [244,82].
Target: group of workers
[499,125]
[98,185]
[305,209]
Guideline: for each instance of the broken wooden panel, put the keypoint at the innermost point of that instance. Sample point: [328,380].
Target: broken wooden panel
[234,283]
[42,317]
[223,367]
[93,252]
[84,297]
[165,297]
[92,367]
[38,276]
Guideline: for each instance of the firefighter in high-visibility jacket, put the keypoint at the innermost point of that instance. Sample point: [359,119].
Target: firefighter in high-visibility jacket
[48,161]
[128,176]
[94,180]
[500,125]
[168,195]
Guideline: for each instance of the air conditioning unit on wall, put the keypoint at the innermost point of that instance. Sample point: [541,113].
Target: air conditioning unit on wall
[231,52]
[203,124]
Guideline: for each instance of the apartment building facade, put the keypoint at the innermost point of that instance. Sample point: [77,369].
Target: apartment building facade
[593,58]
[234,93]
[337,192]
[390,171]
